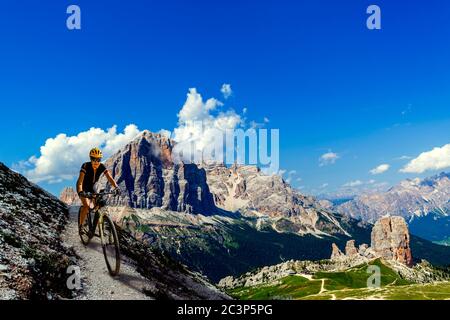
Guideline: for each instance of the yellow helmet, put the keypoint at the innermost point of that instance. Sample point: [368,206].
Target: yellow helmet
[96,153]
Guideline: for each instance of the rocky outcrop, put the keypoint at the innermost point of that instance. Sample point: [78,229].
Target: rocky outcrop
[390,240]
[33,258]
[70,197]
[145,171]
[350,249]
[268,197]
[336,253]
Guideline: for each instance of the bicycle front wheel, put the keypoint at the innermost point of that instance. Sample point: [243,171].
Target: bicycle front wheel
[110,245]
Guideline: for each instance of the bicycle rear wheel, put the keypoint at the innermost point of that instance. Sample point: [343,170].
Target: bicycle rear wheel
[83,230]
[110,245]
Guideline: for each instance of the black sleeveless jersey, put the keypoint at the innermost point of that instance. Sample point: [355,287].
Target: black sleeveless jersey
[89,178]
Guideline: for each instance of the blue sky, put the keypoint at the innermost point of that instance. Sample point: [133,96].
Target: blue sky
[312,67]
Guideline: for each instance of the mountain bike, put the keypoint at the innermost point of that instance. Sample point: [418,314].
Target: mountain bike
[98,215]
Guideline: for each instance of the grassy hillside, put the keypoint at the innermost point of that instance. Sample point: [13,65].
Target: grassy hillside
[351,284]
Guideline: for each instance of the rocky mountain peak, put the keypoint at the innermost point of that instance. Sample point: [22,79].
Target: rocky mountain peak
[411,198]
[69,197]
[145,170]
[247,189]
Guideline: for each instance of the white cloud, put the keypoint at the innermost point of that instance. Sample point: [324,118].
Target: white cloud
[436,159]
[352,184]
[380,169]
[226,90]
[323,186]
[328,158]
[266,120]
[403,158]
[194,109]
[201,125]
[61,157]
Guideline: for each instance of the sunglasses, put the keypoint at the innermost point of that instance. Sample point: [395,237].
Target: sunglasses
[96,159]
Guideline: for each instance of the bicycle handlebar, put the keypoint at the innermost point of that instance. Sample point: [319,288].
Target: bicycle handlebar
[91,195]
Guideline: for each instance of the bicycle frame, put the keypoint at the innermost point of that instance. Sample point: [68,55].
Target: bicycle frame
[97,209]
[101,218]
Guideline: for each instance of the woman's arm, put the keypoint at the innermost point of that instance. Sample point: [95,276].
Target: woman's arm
[80,182]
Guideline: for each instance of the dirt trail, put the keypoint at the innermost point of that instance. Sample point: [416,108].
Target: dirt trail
[96,282]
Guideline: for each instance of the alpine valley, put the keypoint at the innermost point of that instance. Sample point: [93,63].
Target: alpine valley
[228,220]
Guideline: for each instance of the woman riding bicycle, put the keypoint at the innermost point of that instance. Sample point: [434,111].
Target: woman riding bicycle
[89,175]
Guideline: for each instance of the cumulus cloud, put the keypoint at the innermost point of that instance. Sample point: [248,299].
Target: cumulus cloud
[61,157]
[201,124]
[436,159]
[380,169]
[195,109]
[328,158]
[226,90]
[353,184]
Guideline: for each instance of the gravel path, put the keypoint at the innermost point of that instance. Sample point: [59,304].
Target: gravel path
[96,282]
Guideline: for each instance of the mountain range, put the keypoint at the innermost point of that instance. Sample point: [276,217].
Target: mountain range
[225,220]
[424,203]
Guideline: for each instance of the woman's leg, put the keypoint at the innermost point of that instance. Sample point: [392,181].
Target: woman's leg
[84,209]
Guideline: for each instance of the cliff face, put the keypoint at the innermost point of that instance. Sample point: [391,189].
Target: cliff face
[268,197]
[144,168]
[33,259]
[390,240]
